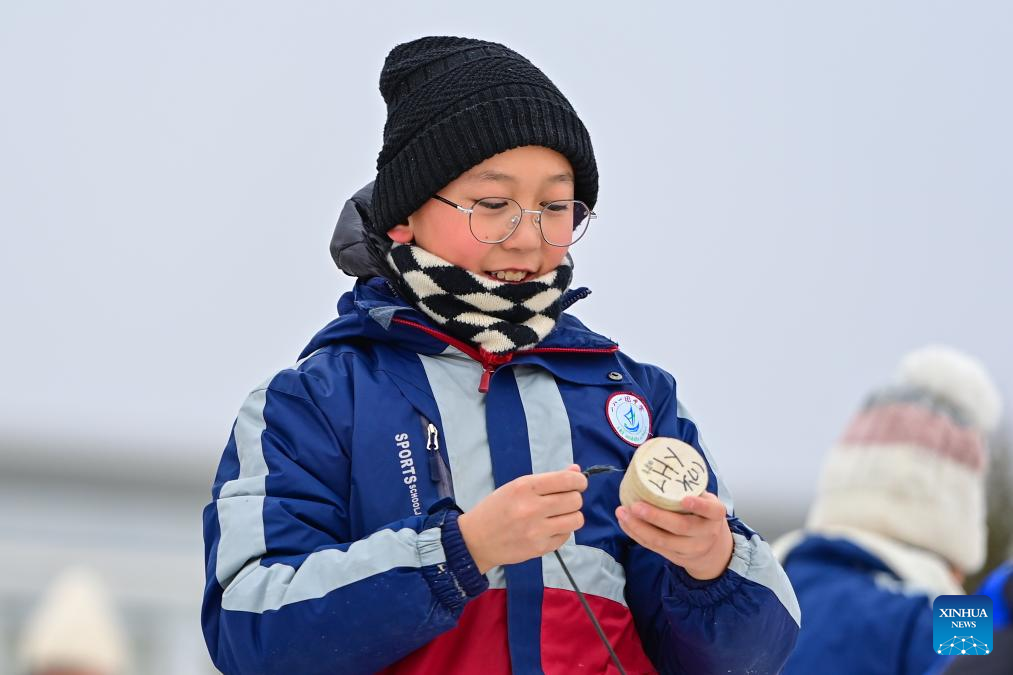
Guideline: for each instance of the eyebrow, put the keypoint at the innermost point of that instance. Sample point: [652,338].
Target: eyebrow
[500,177]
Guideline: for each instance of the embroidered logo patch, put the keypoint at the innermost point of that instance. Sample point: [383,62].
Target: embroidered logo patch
[629,417]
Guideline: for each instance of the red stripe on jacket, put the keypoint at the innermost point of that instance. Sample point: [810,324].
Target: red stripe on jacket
[569,643]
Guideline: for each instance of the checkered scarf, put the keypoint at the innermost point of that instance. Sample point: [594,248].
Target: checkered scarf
[496,316]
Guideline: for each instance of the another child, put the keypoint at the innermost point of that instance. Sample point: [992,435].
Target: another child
[899,519]
[391,502]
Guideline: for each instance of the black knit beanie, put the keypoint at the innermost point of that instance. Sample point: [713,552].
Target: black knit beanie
[454,102]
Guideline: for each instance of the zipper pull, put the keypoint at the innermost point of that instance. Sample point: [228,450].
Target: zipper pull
[483,384]
[433,450]
[490,362]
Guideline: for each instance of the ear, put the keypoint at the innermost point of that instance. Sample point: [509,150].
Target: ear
[402,234]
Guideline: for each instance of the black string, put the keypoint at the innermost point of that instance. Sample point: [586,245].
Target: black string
[590,471]
[594,620]
[599,468]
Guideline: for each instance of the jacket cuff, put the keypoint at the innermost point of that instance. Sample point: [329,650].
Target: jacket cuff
[456,580]
[459,559]
[698,593]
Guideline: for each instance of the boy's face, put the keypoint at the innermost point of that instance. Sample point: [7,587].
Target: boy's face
[530,175]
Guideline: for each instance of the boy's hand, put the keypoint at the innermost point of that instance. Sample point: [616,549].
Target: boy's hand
[526,518]
[699,541]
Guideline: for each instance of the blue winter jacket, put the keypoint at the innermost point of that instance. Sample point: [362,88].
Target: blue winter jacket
[860,618]
[332,543]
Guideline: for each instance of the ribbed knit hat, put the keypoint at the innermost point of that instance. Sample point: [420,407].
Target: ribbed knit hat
[454,102]
[911,465]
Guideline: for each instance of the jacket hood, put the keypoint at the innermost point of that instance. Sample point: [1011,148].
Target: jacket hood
[356,249]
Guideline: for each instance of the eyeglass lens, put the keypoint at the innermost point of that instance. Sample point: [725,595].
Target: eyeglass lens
[561,222]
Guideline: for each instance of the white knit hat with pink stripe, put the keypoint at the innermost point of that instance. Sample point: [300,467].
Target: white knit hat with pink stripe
[911,465]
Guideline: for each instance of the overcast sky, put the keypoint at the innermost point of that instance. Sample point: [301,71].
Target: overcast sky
[792,196]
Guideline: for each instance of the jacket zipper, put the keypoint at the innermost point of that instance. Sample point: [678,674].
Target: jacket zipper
[490,362]
[438,471]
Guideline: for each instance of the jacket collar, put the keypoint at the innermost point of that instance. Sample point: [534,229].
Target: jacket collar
[369,311]
[915,570]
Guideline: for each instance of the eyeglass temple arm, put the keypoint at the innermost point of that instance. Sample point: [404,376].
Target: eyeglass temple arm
[450,203]
[591,214]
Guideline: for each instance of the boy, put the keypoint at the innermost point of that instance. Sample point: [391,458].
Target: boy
[392,501]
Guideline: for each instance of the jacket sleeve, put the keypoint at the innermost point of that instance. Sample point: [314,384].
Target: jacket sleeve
[745,621]
[918,658]
[288,589]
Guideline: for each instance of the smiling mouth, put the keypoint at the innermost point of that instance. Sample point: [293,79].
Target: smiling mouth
[511,276]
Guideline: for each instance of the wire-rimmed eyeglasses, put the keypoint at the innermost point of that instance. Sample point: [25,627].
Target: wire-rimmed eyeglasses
[493,219]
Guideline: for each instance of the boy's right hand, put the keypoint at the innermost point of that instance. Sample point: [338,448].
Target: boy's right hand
[526,518]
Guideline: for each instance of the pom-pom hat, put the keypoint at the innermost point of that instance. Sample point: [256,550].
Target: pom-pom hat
[911,464]
[75,627]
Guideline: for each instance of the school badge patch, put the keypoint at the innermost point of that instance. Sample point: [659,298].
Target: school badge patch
[629,417]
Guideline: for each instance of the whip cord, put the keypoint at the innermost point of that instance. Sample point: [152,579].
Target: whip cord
[590,471]
[590,614]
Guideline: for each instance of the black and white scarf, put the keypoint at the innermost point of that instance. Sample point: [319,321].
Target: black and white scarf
[496,316]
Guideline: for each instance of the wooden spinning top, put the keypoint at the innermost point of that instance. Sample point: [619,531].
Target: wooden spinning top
[662,472]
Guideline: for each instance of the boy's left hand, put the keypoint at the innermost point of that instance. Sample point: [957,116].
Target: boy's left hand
[699,541]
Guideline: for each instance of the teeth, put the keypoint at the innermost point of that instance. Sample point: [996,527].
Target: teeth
[509,275]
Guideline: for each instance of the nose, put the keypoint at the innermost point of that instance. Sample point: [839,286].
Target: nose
[527,235]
